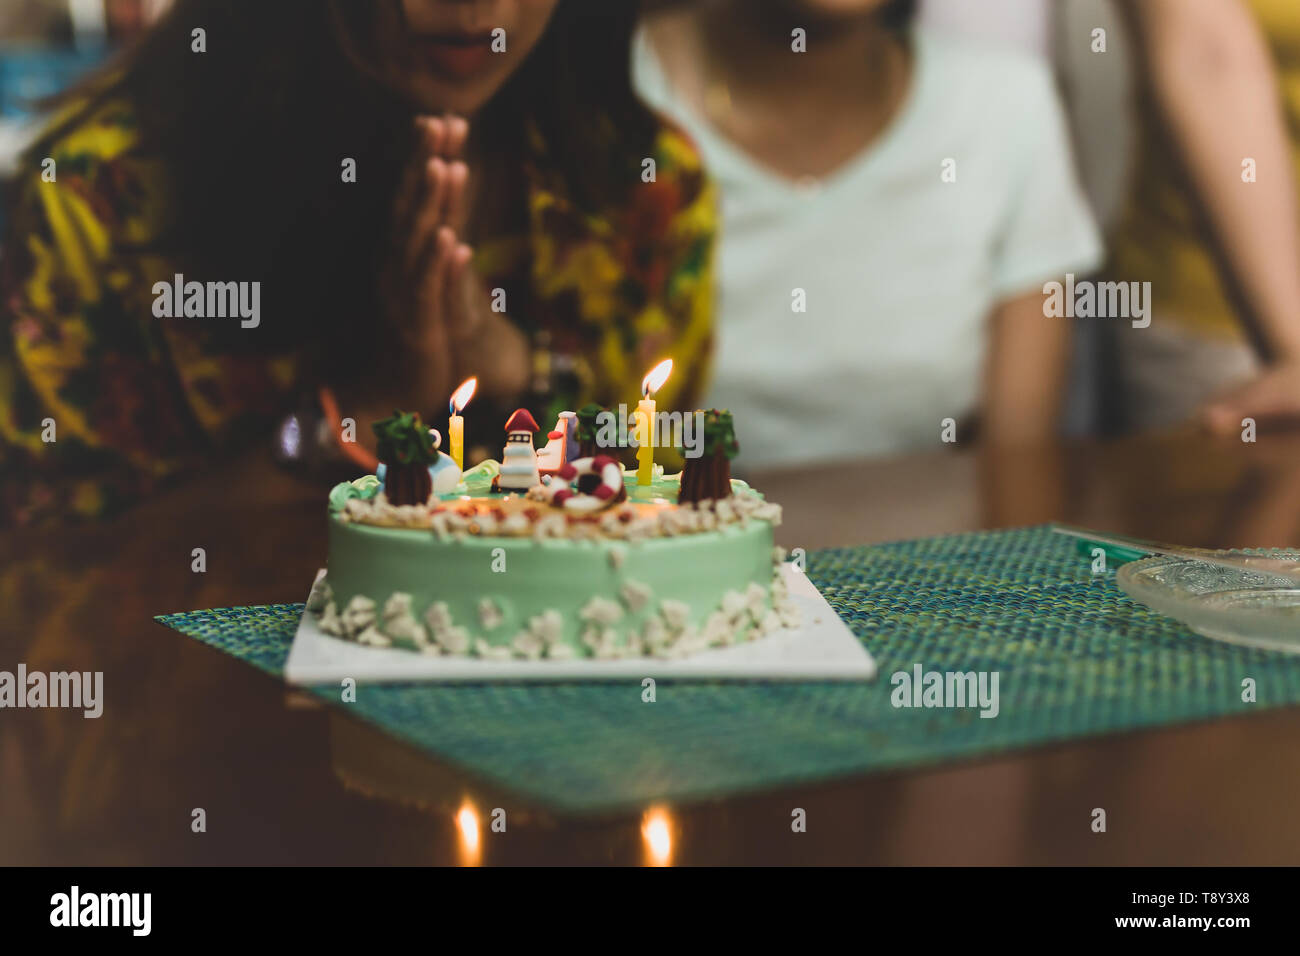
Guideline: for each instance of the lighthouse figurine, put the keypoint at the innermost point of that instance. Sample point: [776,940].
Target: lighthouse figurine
[519,460]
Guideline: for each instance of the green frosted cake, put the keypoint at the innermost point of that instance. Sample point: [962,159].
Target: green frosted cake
[585,563]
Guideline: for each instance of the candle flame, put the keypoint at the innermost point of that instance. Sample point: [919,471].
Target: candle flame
[657,833]
[460,398]
[655,378]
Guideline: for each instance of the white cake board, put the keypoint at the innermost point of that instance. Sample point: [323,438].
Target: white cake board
[821,648]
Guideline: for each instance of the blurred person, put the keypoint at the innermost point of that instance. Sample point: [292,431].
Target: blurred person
[127,19]
[1222,254]
[35,21]
[483,178]
[914,191]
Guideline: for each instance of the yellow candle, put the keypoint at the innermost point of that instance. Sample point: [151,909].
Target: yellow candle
[645,416]
[645,453]
[456,435]
[456,424]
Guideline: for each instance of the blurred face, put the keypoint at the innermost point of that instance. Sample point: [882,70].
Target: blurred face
[454,55]
[830,10]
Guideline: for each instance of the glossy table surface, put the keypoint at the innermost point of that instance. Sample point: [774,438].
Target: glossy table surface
[282,779]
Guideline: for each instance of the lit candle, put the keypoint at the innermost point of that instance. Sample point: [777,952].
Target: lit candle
[456,424]
[645,413]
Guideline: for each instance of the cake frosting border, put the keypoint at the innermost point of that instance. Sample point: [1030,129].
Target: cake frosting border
[668,634]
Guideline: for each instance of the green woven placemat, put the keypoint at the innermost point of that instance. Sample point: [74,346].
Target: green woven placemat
[1075,657]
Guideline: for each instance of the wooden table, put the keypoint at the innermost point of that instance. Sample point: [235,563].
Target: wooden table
[283,780]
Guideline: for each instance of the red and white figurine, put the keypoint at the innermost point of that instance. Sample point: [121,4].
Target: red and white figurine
[562,444]
[560,493]
[518,460]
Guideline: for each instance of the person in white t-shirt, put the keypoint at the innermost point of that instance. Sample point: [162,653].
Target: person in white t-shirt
[893,203]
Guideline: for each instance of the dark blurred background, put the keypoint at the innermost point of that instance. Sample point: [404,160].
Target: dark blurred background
[46,45]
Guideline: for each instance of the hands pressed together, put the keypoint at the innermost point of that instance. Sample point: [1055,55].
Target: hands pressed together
[433,294]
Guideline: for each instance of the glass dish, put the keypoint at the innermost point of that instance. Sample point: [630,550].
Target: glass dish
[1237,606]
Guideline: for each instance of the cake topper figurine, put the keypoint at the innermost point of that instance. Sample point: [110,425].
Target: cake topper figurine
[562,445]
[519,460]
[444,472]
[709,476]
[406,450]
[606,489]
[585,433]
[400,434]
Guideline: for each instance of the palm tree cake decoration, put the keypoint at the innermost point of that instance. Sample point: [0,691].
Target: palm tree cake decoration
[407,449]
[588,416]
[587,419]
[708,477]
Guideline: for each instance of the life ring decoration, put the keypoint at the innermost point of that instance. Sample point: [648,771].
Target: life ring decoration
[602,471]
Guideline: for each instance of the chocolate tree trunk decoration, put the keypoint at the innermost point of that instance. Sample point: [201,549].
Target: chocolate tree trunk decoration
[406,449]
[709,476]
[586,434]
[407,484]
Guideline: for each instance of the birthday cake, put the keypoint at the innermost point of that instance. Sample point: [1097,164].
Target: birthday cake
[551,553]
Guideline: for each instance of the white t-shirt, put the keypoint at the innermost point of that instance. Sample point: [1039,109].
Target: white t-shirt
[1003,24]
[899,269]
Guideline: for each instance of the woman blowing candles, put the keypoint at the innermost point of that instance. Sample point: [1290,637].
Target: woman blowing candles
[892,205]
[422,190]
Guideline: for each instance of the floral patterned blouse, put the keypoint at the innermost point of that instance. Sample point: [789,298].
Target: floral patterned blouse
[100,402]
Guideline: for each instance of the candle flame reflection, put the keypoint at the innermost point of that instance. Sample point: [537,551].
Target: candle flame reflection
[467,828]
[657,834]
[655,378]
